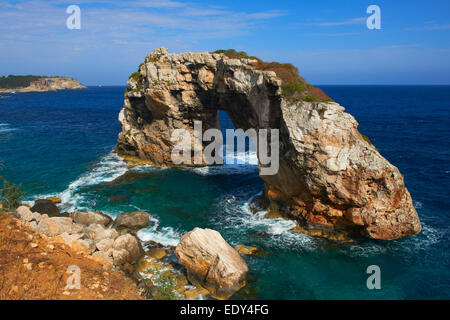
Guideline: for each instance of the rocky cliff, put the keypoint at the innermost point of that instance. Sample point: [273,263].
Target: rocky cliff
[331,179]
[46,84]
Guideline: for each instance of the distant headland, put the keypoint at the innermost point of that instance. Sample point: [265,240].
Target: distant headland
[30,83]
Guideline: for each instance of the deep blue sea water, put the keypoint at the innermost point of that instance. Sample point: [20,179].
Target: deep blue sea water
[60,143]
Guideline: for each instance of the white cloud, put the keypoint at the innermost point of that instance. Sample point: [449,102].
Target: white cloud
[361,20]
[437,27]
[135,20]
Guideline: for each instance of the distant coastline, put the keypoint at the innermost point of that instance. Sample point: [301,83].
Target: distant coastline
[31,83]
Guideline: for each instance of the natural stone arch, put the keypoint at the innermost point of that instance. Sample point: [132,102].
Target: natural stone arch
[331,179]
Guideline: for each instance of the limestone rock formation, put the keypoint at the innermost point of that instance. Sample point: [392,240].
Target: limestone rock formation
[330,178]
[212,262]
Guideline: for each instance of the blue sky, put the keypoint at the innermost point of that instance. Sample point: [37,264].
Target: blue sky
[328,40]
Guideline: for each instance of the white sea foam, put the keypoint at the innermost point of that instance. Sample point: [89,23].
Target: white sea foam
[147,167]
[237,216]
[417,204]
[166,236]
[421,242]
[234,163]
[107,169]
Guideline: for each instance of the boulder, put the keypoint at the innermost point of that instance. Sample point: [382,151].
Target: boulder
[68,238]
[45,206]
[132,220]
[24,213]
[88,243]
[211,262]
[157,253]
[126,248]
[57,225]
[98,232]
[79,247]
[88,218]
[102,258]
[105,244]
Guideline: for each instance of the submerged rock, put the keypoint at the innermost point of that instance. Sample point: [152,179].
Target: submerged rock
[330,177]
[55,200]
[132,220]
[250,251]
[211,262]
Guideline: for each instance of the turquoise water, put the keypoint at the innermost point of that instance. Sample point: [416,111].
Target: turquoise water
[60,143]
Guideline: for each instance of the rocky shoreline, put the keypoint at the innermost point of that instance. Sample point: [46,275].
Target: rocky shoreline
[202,265]
[47,84]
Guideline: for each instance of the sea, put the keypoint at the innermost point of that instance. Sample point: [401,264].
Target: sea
[60,144]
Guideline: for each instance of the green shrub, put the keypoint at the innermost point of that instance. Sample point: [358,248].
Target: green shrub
[232,53]
[366,138]
[291,88]
[10,194]
[136,76]
[308,98]
[165,286]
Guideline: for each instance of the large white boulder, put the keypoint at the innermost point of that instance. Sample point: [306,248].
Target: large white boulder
[211,262]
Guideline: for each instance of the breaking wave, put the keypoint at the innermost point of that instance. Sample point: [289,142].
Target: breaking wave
[273,232]
[166,236]
[5,127]
[107,169]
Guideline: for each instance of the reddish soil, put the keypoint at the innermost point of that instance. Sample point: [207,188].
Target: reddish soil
[33,267]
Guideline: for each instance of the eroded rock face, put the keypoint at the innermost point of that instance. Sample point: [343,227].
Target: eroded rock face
[212,262]
[330,178]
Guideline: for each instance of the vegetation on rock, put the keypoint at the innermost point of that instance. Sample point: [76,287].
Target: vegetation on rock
[165,286]
[294,87]
[12,81]
[136,77]
[366,138]
[10,194]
